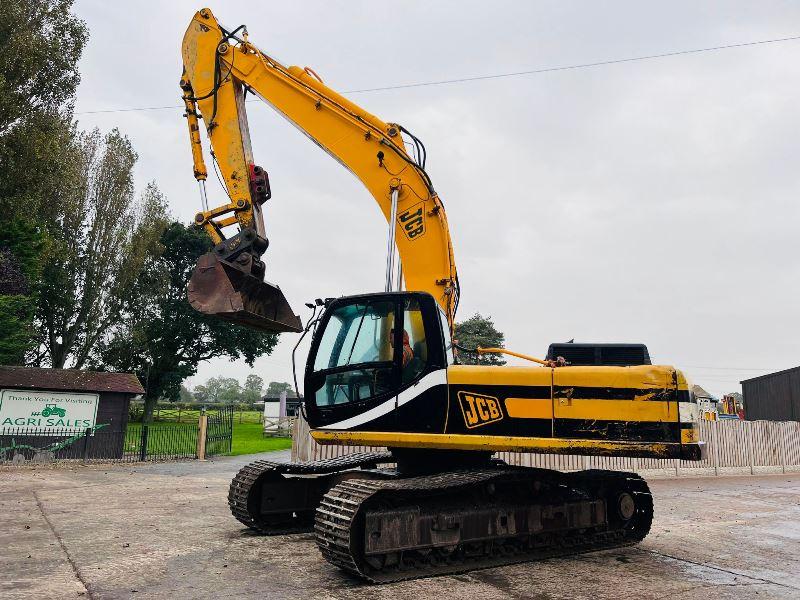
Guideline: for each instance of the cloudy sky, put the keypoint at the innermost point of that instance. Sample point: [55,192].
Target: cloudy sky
[655,201]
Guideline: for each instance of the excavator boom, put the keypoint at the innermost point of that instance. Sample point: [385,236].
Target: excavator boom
[220,67]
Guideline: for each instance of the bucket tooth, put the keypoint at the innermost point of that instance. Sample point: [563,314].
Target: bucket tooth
[220,289]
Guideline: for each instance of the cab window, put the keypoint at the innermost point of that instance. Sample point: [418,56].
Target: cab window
[415,346]
[356,347]
[448,341]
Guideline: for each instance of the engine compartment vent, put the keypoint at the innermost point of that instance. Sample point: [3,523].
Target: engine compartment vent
[618,355]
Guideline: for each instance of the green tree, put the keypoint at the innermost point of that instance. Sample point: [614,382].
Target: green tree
[219,389]
[100,240]
[16,308]
[252,389]
[185,394]
[201,393]
[479,331]
[40,45]
[38,162]
[161,337]
[275,388]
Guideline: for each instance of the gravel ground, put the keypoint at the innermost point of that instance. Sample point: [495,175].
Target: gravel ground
[164,531]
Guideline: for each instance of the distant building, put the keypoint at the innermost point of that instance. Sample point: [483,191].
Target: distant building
[773,397]
[292,405]
[706,403]
[59,403]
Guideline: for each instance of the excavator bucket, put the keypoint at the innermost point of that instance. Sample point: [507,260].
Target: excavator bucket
[220,289]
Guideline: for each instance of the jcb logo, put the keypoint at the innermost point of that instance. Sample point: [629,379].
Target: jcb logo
[412,221]
[479,410]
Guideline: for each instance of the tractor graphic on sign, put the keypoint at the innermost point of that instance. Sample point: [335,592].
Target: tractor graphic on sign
[53,410]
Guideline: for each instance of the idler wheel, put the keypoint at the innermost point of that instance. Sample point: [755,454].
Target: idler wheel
[626,506]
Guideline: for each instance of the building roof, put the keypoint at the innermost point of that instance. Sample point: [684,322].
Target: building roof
[278,399]
[699,392]
[33,378]
[771,374]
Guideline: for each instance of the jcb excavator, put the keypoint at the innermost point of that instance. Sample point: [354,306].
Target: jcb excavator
[381,371]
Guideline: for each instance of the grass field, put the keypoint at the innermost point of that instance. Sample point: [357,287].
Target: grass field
[169,438]
[248,439]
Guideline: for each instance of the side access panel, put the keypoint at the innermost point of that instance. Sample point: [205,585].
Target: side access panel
[637,404]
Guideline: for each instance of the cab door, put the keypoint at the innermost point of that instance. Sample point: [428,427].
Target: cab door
[615,403]
[425,350]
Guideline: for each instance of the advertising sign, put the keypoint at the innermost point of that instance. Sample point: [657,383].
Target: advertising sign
[41,411]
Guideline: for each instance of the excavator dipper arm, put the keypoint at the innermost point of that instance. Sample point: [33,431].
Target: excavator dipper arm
[220,66]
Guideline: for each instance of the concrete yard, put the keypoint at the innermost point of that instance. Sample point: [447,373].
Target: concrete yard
[164,531]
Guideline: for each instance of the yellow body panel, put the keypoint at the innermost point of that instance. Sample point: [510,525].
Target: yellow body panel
[617,410]
[651,380]
[529,408]
[498,375]
[690,436]
[643,376]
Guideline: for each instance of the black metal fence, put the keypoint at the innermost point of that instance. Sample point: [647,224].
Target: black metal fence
[138,443]
[162,442]
[219,436]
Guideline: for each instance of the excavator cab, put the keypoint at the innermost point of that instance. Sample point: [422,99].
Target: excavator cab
[366,350]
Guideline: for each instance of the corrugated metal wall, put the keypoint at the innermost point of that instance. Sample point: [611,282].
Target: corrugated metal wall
[774,397]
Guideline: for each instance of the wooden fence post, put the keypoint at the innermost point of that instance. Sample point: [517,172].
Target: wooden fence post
[202,427]
[749,432]
[783,435]
[715,448]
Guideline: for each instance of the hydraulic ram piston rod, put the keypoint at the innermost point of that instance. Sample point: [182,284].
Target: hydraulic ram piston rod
[390,245]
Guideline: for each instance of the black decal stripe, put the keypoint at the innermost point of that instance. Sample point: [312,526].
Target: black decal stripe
[605,393]
[640,431]
[577,392]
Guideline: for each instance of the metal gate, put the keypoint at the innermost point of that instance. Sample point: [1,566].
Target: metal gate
[219,434]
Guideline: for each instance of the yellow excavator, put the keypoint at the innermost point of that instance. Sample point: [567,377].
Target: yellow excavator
[382,371]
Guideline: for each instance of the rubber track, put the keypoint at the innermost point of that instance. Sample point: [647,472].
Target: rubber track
[247,480]
[335,521]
